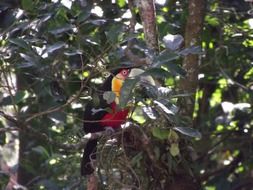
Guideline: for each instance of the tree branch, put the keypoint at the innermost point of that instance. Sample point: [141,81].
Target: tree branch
[9,117]
[231,167]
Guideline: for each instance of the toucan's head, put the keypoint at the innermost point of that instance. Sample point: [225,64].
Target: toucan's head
[118,79]
[122,74]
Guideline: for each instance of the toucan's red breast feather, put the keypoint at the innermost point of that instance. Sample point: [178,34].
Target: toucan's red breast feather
[115,118]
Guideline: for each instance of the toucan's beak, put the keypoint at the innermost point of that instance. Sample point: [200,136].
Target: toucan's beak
[136,72]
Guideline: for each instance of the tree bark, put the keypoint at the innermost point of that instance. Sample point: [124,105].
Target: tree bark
[194,25]
[148,17]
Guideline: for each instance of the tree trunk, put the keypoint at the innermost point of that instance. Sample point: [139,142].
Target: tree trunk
[194,25]
[148,17]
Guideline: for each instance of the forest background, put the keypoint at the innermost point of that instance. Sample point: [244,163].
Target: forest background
[193,130]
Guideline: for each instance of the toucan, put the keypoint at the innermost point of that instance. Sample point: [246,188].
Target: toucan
[107,115]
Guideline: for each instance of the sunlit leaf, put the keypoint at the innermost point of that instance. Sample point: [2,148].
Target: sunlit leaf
[164,92]
[62,29]
[188,131]
[214,21]
[57,117]
[173,42]
[174,149]
[56,46]
[121,3]
[151,113]
[20,42]
[25,65]
[163,107]
[98,22]
[173,136]
[160,133]
[17,98]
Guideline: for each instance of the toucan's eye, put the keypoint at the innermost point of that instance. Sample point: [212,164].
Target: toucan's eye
[125,72]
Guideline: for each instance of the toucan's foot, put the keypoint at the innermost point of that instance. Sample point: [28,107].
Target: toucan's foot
[109,130]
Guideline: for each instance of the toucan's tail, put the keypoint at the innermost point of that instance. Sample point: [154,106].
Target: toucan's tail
[88,155]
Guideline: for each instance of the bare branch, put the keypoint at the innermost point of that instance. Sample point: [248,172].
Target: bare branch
[9,117]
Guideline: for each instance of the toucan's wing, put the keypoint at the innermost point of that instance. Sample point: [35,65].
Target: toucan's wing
[92,117]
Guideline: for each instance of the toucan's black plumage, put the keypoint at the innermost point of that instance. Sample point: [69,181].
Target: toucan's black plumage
[98,125]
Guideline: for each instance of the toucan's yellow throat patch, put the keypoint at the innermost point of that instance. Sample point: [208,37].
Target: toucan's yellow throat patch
[118,80]
[116,85]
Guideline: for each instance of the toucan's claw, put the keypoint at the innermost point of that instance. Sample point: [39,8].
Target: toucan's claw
[109,130]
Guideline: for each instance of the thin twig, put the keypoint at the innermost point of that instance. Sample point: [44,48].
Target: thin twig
[9,117]
[9,88]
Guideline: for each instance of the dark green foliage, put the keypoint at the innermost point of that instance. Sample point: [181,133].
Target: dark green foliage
[57,57]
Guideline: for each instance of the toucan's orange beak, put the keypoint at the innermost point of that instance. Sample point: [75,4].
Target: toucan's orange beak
[118,80]
[116,85]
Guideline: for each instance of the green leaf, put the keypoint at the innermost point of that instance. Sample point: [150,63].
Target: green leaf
[173,136]
[173,42]
[121,3]
[174,149]
[164,108]
[27,5]
[188,131]
[56,46]
[175,69]
[126,91]
[164,92]
[115,33]
[26,57]
[160,133]
[190,50]
[213,21]
[61,29]
[156,73]
[84,15]
[109,96]
[150,112]
[164,57]
[20,96]
[20,42]
[57,117]
[41,150]
[136,159]
[17,98]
